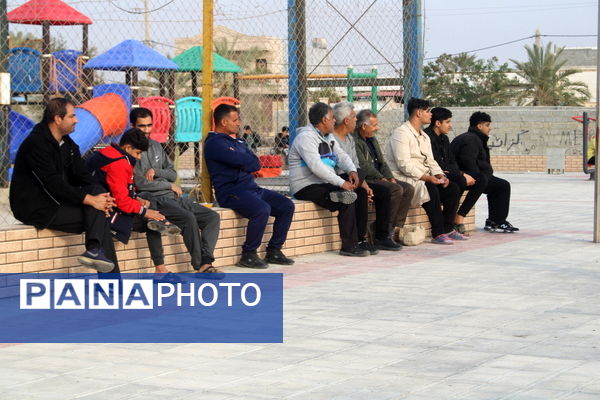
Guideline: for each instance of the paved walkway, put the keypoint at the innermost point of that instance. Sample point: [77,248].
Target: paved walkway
[502,317]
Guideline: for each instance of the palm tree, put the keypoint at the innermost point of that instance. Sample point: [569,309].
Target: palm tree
[545,84]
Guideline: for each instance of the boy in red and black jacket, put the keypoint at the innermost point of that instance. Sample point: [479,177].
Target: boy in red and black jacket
[113,167]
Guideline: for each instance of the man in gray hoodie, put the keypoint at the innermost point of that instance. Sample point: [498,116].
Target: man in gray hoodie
[313,159]
[155,179]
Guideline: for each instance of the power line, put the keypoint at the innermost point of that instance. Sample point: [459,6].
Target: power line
[140,12]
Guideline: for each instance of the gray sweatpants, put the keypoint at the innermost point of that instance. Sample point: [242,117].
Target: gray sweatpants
[199,226]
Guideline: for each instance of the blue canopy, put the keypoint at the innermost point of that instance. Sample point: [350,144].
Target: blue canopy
[130,54]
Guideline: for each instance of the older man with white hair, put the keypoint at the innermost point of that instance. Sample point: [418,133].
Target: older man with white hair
[345,123]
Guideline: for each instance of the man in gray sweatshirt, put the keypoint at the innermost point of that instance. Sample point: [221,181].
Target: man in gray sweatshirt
[313,159]
[155,179]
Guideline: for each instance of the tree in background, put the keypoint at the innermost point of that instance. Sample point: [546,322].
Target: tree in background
[544,83]
[465,80]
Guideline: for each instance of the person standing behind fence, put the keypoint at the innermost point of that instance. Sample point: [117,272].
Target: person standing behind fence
[377,171]
[473,156]
[51,187]
[475,182]
[230,165]
[411,160]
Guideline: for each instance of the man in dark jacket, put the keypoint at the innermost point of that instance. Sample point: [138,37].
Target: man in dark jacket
[472,154]
[51,187]
[231,164]
[378,173]
[474,182]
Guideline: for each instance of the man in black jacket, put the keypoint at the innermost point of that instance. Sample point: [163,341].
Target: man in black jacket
[474,182]
[51,187]
[472,154]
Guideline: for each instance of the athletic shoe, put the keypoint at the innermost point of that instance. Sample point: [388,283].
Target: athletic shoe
[354,252]
[343,196]
[251,260]
[387,245]
[454,235]
[97,260]
[365,245]
[442,239]
[493,227]
[163,227]
[276,256]
[508,226]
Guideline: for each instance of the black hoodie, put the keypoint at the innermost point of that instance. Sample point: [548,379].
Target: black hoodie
[472,153]
[46,175]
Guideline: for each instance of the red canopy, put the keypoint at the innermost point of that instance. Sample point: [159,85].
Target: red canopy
[55,12]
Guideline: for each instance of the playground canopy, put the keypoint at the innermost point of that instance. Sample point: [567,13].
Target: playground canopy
[53,12]
[131,54]
[191,60]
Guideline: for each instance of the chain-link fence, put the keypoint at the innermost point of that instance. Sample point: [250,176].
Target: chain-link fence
[112,55]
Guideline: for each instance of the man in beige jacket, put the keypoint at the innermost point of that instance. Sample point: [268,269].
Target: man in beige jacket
[411,160]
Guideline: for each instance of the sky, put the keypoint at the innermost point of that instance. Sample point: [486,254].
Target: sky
[376,39]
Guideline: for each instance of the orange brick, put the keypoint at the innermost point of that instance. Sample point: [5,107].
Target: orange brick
[14,268]
[67,240]
[2,236]
[20,234]
[6,247]
[34,244]
[74,250]
[58,252]
[38,266]
[21,256]
[65,262]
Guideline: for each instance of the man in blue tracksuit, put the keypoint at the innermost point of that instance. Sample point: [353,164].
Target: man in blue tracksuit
[230,165]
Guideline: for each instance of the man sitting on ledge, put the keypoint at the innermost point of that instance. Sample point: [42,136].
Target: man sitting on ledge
[51,187]
[313,158]
[231,163]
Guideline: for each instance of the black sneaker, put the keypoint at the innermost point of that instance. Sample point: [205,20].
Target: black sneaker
[508,225]
[388,245]
[343,196]
[365,245]
[96,259]
[355,251]
[251,260]
[491,226]
[275,256]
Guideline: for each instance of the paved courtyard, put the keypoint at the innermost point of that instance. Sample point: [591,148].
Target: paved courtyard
[500,317]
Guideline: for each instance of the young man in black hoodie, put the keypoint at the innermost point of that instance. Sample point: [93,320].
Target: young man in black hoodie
[472,154]
[474,182]
[51,187]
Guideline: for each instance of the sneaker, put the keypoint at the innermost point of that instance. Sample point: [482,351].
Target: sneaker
[276,256]
[508,226]
[387,245]
[251,260]
[97,260]
[442,239]
[454,235]
[365,245]
[505,227]
[356,251]
[343,196]
[163,227]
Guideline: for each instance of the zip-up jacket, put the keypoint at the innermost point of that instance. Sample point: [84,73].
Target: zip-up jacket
[440,147]
[164,176]
[117,166]
[367,164]
[230,164]
[43,179]
[308,159]
[472,152]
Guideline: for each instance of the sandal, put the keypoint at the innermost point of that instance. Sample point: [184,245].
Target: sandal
[169,277]
[461,228]
[210,273]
